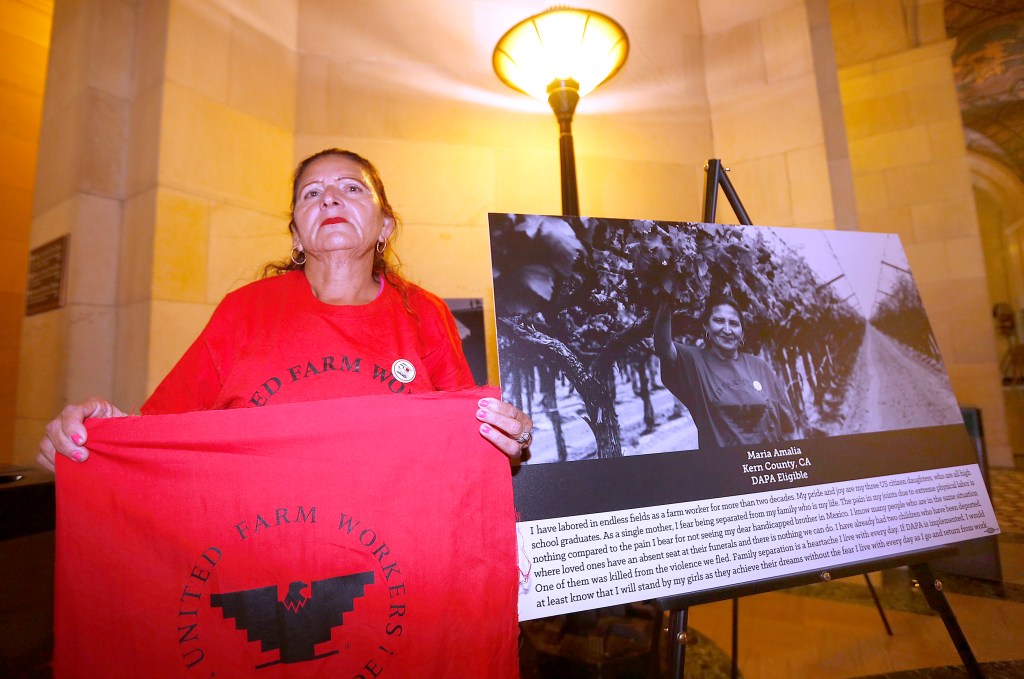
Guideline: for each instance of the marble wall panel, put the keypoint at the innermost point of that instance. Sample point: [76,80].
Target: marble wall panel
[199,47]
[180,247]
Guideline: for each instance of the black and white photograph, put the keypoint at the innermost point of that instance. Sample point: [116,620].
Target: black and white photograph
[633,337]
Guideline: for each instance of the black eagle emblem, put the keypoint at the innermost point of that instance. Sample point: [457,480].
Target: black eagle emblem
[296,624]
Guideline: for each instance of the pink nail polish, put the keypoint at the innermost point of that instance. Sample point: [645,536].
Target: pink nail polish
[77,438]
[78,456]
[481,414]
[484,402]
[485,429]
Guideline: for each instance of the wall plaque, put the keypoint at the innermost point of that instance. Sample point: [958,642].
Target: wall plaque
[47,274]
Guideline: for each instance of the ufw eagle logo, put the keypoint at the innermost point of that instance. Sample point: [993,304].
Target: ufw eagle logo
[298,623]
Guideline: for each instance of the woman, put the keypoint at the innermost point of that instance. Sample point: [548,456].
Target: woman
[337,321]
[733,397]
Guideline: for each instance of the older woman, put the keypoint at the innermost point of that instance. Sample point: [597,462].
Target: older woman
[733,397]
[336,321]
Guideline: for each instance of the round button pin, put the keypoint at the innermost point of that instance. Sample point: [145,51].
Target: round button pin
[757,385]
[403,370]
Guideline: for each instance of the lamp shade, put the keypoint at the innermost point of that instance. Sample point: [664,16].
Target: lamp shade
[560,44]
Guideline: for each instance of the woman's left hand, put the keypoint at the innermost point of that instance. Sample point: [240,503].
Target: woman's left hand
[504,425]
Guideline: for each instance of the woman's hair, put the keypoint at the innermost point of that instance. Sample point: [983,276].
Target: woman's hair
[718,301]
[385,264]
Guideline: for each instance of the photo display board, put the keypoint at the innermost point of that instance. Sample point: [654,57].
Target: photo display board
[793,416]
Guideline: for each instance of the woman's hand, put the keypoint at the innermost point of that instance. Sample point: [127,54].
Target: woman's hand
[664,346]
[66,433]
[504,425]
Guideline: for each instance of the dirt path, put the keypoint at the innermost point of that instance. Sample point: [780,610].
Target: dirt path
[892,388]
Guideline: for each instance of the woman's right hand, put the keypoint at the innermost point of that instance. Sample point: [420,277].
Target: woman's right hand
[66,433]
[664,346]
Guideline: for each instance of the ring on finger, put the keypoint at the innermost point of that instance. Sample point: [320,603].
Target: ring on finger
[525,439]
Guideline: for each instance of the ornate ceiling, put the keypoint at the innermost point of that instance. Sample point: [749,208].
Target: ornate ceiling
[989,65]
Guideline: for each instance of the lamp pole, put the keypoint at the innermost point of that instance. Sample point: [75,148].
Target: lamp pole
[563,95]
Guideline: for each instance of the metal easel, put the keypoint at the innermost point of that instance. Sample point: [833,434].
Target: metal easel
[931,587]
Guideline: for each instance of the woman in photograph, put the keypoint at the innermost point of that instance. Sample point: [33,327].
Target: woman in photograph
[733,397]
[333,319]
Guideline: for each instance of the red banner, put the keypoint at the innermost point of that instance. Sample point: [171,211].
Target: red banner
[360,537]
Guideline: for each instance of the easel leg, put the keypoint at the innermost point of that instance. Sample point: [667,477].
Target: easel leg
[677,635]
[878,605]
[932,590]
[735,671]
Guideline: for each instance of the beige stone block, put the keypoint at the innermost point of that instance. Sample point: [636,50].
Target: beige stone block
[174,326]
[242,242]
[970,345]
[682,136]
[723,16]
[876,115]
[786,41]
[865,30]
[110,47]
[929,263]
[20,113]
[135,272]
[946,140]
[40,377]
[809,186]
[199,38]
[132,370]
[58,159]
[90,352]
[262,77]
[66,74]
[772,120]
[17,168]
[150,59]
[912,75]
[943,220]
[857,85]
[610,187]
[277,19]
[102,139]
[526,182]
[734,60]
[217,152]
[870,191]
[312,112]
[844,197]
[967,261]
[933,105]
[180,247]
[52,223]
[462,174]
[890,150]
[764,187]
[95,249]
[937,180]
[142,154]
[451,261]
[888,220]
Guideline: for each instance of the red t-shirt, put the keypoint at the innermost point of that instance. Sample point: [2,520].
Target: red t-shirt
[272,341]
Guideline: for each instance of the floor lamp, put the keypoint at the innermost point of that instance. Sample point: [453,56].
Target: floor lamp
[561,55]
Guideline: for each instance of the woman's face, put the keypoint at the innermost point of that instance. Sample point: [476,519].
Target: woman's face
[337,209]
[725,329]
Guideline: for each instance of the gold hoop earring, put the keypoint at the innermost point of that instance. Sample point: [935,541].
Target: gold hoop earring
[295,261]
[381,246]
